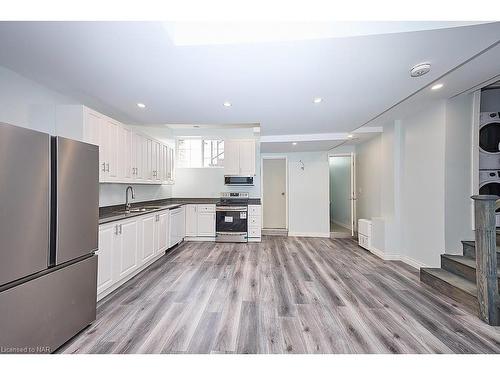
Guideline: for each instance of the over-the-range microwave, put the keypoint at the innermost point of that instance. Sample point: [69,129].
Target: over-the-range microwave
[238,180]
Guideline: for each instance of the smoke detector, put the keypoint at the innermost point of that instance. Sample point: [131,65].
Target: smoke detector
[420,69]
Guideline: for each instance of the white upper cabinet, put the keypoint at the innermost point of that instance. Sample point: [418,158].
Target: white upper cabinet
[125,156]
[239,157]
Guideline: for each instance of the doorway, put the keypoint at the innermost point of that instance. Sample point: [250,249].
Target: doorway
[342,195]
[274,195]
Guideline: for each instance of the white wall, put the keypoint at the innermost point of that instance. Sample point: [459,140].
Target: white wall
[340,190]
[28,104]
[425,178]
[458,172]
[422,198]
[368,178]
[308,193]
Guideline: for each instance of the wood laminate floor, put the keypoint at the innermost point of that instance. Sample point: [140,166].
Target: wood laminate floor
[284,295]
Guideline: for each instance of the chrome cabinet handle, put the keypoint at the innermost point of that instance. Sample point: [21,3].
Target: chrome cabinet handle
[104,167]
[107,167]
[120,229]
[116,230]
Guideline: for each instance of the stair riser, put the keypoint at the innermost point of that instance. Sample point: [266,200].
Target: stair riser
[469,301]
[461,269]
[470,252]
[458,269]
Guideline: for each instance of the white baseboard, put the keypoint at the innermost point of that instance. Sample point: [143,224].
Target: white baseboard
[309,234]
[403,258]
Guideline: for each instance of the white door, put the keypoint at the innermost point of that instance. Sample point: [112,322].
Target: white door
[247,158]
[148,238]
[128,236]
[231,157]
[274,193]
[191,220]
[206,224]
[105,257]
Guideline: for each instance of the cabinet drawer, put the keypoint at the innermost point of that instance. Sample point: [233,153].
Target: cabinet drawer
[254,210]
[206,208]
[253,232]
[254,221]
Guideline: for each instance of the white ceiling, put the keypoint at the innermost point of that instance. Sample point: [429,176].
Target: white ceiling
[111,66]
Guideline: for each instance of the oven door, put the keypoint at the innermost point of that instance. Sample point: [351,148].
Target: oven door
[231,224]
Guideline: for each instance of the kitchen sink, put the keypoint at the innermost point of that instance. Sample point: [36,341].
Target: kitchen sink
[139,209]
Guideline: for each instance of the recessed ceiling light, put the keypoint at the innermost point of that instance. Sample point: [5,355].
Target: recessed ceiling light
[294,143]
[317,100]
[350,136]
[141,105]
[437,86]
[227,104]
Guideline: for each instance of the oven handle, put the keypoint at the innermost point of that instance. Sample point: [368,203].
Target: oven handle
[231,208]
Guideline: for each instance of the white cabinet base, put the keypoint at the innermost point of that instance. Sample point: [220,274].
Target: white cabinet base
[116,285]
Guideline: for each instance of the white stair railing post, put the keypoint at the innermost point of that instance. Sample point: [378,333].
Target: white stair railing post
[486,257]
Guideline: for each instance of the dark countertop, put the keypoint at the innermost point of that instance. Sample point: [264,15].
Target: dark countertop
[109,214]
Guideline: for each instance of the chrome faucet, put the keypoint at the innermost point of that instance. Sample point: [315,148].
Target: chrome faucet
[127,204]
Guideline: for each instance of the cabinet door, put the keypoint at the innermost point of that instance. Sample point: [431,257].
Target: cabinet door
[231,157]
[247,158]
[105,257]
[148,238]
[92,126]
[137,155]
[127,253]
[191,220]
[103,151]
[113,152]
[206,224]
[161,232]
[125,154]
[171,161]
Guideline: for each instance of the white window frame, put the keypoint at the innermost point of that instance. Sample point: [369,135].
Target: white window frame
[202,139]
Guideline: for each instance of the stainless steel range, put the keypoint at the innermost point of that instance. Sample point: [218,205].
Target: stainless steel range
[231,217]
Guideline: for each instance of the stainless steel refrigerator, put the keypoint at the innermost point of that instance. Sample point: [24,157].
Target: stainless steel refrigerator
[49,213]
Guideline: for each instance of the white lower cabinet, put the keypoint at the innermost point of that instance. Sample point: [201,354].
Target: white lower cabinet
[148,225]
[200,221]
[125,248]
[254,223]
[128,246]
[161,232]
[105,257]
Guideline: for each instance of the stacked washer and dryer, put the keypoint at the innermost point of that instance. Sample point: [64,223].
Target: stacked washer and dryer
[489,155]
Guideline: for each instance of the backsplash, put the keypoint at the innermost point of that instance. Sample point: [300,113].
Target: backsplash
[111,194]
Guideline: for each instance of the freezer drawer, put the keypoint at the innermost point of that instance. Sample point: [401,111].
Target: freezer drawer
[77,198]
[40,315]
[24,202]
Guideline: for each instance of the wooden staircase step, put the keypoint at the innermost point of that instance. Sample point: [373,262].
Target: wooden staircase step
[469,250]
[462,266]
[456,287]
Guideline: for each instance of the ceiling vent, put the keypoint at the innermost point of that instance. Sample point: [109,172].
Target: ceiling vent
[420,69]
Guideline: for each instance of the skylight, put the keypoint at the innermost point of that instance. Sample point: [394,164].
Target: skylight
[206,33]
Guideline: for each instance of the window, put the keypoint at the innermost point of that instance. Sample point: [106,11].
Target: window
[197,153]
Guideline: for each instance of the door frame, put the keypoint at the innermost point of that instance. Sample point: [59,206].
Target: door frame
[274,157]
[353,198]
